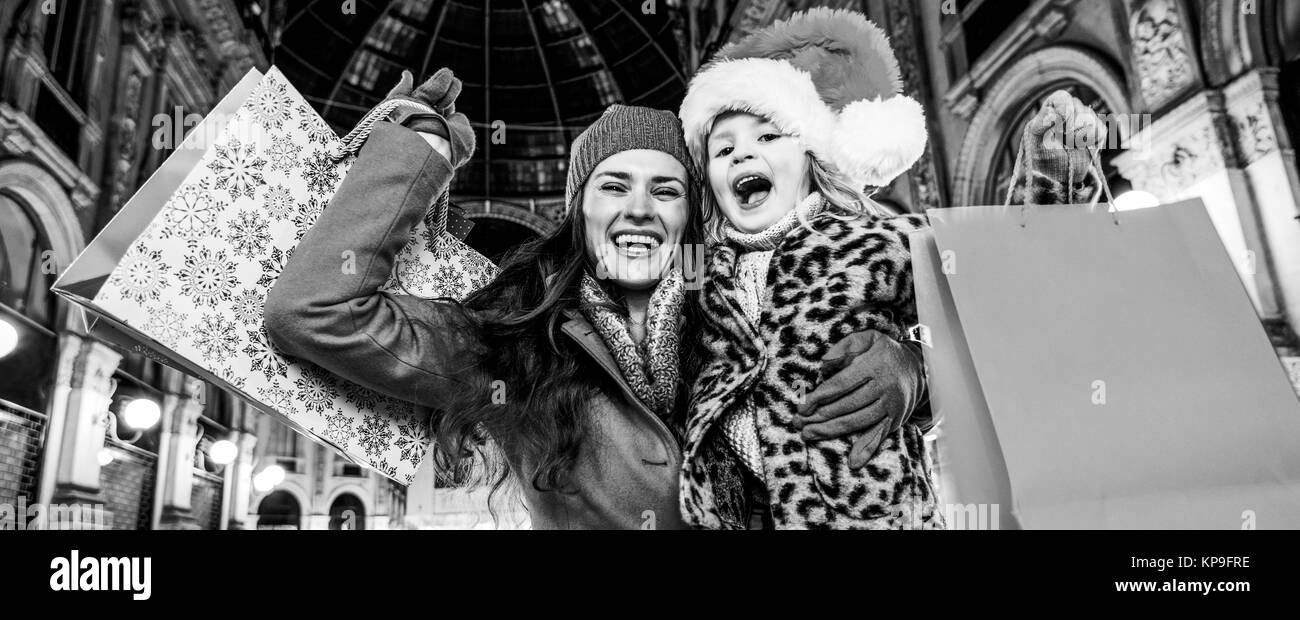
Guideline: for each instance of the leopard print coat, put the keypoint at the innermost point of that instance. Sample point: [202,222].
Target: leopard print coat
[848,276]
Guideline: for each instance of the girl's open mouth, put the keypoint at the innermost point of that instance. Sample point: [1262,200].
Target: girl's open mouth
[751,190]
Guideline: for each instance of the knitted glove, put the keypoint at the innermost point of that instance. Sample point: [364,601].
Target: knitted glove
[1054,165]
[874,385]
[438,92]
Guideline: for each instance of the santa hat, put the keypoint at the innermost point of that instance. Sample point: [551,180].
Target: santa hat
[827,77]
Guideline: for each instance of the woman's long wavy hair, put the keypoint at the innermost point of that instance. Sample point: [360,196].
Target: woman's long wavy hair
[524,404]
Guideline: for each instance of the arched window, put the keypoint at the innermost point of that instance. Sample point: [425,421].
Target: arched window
[1004,164]
[347,513]
[279,511]
[26,270]
[26,307]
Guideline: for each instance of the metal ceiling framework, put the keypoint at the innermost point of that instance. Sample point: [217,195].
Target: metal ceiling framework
[584,55]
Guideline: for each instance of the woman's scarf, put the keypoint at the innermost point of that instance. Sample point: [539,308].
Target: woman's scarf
[651,369]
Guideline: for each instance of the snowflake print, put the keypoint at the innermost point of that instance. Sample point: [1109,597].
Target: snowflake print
[284,154]
[447,282]
[359,396]
[166,325]
[208,278]
[248,234]
[238,169]
[316,391]
[311,124]
[338,428]
[413,274]
[215,338]
[389,470]
[264,357]
[279,203]
[191,214]
[278,399]
[229,375]
[375,436]
[321,173]
[411,439]
[142,275]
[271,104]
[248,306]
[272,266]
[307,216]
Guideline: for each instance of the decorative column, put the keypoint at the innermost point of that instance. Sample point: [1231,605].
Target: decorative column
[182,405]
[239,474]
[82,393]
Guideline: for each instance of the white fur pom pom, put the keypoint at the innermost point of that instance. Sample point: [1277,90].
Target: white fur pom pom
[878,140]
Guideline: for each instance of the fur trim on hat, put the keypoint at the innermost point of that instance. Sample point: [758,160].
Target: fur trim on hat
[877,140]
[772,89]
[856,119]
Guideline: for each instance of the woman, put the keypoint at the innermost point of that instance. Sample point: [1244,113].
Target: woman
[574,360]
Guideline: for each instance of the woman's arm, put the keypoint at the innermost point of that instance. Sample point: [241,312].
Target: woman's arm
[326,307]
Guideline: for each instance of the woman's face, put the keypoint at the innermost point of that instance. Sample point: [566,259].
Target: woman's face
[756,173]
[635,205]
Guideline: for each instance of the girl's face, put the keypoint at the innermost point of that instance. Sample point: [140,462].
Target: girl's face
[636,210]
[756,173]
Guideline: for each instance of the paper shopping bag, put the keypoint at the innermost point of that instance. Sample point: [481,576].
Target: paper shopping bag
[185,267]
[974,488]
[1127,375]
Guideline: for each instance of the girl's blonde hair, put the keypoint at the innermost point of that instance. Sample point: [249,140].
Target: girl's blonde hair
[843,201]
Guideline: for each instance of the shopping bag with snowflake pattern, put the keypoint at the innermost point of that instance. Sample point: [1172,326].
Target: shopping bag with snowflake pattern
[183,270]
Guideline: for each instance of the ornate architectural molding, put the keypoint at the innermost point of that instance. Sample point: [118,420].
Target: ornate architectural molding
[1179,149]
[1042,21]
[1253,107]
[220,25]
[924,176]
[23,138]
[1164,57]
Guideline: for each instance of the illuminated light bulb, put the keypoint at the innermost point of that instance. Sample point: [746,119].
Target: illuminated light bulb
[8,338]
[142,414]
[1135,199]
[223,452]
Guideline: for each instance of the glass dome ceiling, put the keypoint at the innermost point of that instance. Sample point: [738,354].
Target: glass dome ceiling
[535,72]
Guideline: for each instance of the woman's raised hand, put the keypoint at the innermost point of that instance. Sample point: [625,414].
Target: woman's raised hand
[448,131]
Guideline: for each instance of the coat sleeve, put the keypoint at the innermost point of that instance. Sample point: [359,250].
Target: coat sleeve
[326,307]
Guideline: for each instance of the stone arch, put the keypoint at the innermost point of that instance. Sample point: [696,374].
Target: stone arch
[352,489]
[508,212]
[280,498]
[1019,82]
[1232,39]
[47,200]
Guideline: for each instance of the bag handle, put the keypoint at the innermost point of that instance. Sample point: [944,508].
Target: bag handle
[351,143]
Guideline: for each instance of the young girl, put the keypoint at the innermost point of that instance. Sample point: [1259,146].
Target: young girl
[788,126]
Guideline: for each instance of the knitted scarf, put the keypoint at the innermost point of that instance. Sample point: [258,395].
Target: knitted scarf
[651,368]
[770,237]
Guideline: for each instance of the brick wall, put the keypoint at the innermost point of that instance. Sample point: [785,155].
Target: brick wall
[20,452]
[127,487]
[205,500]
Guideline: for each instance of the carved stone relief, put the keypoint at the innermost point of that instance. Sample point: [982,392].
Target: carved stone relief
[1162,53]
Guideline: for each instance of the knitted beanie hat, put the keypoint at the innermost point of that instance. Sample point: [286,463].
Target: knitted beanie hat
[624,128]
[828,78]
